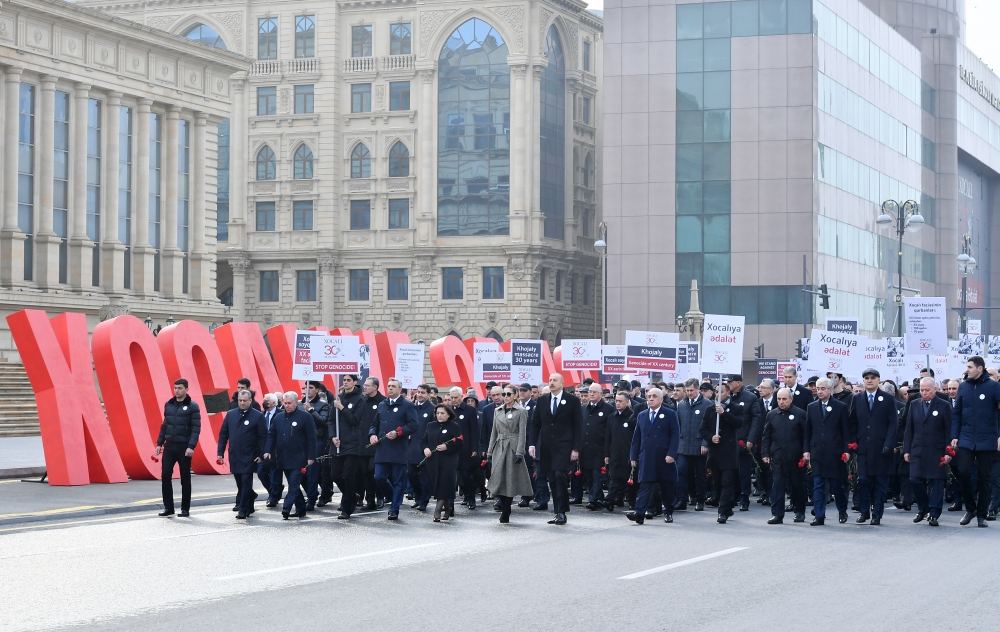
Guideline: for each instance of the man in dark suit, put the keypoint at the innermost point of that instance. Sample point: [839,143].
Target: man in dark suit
[243,428]
[555,440]
[766,402]
[782,447]
[873,428]
[596,414]
[395,419]
[468,461]
[541,491]
[267,472]
[744,406]
[292,443]
[424,410]
[976,435]
[692,448]
[653,454]
[801,395]
[826,440]
[928,428]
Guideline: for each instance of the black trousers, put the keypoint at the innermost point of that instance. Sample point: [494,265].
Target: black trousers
[728,482]
[421,494]
[746,469]
[976,499]
[173,454]
[558,489]
[787,477]
[350,473]
[244,492]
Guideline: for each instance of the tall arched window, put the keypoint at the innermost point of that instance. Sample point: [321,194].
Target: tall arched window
[473,132]
[552,148]
[204,34]
[494,335]
[267,38]
[302,163]
[361,162]
[399,161]
[266,164]
[588,171]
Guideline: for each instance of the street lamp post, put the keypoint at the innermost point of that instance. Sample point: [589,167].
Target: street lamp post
[906,217]
[692,321]
[966,266]
[601,246]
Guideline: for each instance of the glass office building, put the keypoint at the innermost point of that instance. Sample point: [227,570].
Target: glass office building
[749,144]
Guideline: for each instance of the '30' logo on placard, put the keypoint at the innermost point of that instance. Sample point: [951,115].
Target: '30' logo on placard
[331,350]
[651,339]
[523,374]
[579,350]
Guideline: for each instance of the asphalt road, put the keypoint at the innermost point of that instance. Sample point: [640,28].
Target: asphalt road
[600,572]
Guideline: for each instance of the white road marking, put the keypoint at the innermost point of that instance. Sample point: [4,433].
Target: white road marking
[688,562]
[346,558]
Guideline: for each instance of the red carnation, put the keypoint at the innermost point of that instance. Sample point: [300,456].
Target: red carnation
[604,470]
[943,461]
[302,470]
[741,443]
[578,472]
[482,464]
[802,462]
[845,457]
[154,458]
[399,431]
[950,451]
[853,445]
[459,438]
[630,482]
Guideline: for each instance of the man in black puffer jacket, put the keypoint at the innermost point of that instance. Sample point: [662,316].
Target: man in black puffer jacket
[178,437]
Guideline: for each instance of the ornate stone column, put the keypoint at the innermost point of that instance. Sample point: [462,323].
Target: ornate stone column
[170,256]
[240,266]
[11,239]
[142,252]
[46,241]
[112,247]
[80,248]
[202,262]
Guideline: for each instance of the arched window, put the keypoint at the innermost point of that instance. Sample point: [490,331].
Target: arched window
[552,147]
[473,132]
[305,36]
[453,333]
[302,163]
[266,164]
[494,335]
[399,161]
[204,34]
[361,162]
[267,38]
[588,170]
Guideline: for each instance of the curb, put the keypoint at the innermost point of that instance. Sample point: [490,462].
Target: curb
[22,472]
[107,510]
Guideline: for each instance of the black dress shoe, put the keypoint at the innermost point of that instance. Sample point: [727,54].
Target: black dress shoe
[497,506]
[311,506]
[371,506]
[908,507]
[524,503]
[967,518]
[991,516]
[241,516]
[722,519]
[712,502]
[842,518]
[680,507]
[542,507]
[592,506]
[165,513]
[775,520]
[765,501]
[379,503]
[817,522]
[271,504]
[745,506]
[393,515]
[300,514]
[863,518]
[559,519]
[669,518]
[236,507]
[700,507]
[955,507]
[982,524]
[609,506]
[876,522]
[932,521]
[799,517]
[920,516]
[420,507]
[344,516]
[285,514]
[323,502]
[576,501]
[634,517]
[471,506]
[184,514]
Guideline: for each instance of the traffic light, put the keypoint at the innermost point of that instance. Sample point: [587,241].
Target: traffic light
[758,351]
[824,297]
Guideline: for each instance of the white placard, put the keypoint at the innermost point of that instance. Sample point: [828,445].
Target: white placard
[335,354]
[581,354]
[651,350]
[926,326]
[526,361]
[842,325]
[301,360]
[722,344]
[836,353]
[974,326]
[895,360]
[993,351]
[971,345]
[410,364]
[613,359]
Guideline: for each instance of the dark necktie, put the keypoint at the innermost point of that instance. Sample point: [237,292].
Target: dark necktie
[555,405]
[927,409]
[871,402]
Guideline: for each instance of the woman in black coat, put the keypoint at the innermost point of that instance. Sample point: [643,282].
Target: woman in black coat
[617,441]
[442,441]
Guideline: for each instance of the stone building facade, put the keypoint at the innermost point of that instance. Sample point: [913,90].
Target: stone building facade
[429,166]
[108,166]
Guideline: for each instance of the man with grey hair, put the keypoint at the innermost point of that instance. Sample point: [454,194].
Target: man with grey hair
[826,444]
[926,435]
[692,448]
[267,473]
[291,442]
[766,402]
[801,396]
[653,454]
[243,429]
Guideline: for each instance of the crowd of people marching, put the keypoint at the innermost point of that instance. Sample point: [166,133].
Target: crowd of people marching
[654,451]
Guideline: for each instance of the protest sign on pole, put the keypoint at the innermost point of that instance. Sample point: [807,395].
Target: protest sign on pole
[301,362]
[581,354]
[974,326]
[836,353]
[926,326]
[840,325]
[722,344]
[526,361]
[779,369]
[410,364]
[993,351]
[768,367]
[335,354]
[613,359]
[651,350]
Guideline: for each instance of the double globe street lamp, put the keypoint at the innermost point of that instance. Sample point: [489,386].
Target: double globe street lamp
[966,266]
[906,217]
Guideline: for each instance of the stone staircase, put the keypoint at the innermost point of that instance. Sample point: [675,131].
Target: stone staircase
[18,409]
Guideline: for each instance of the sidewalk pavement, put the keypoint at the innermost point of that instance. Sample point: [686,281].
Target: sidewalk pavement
[21,457]
[29,501]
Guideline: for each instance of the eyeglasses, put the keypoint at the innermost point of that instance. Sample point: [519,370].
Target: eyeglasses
[508,394]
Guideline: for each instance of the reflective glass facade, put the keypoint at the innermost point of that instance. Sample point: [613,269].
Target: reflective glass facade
[473,124]
[552,145]
[26,174]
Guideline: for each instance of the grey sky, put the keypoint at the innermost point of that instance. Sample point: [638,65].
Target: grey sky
[982,16]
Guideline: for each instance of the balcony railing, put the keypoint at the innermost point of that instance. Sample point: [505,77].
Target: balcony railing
[398,62]
[303,65]
[265,67]
[359,64]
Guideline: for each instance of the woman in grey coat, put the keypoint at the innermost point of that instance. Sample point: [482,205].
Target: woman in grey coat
[509,475]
